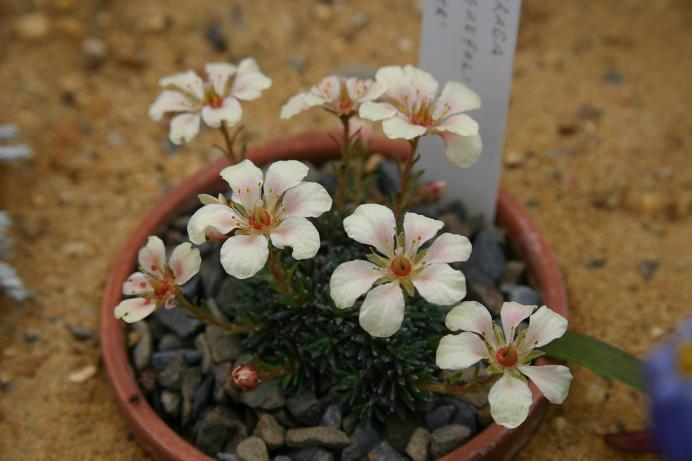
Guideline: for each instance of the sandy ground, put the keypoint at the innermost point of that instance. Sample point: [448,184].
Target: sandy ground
[598,148]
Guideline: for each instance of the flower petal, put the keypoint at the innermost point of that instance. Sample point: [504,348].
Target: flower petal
[418,229]
[382,312]
[169,101]
[184,127]
[448,248]
[294,106]
[219,75]
[463,151]
[350,280]
[188,82]
[455,97]
[249,81]
[399,127]
[545,325]
[281,176]
[299,234]
[134,309]
[376,111]
[372,224]
[460,124]
[328,89]
[458,352]
[423,83]
[137,284]
[242,256]
[230,113]
[245,180]
[470,316]
[307,200]
[216,218]
[510,399]
[184,262]
[552,380]
[440,284]
[512,315]
[152,256]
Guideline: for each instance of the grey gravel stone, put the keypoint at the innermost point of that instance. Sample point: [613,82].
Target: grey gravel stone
[331,416]
[487,256]
[202,395]
[170,342]
[253,449]
[160,360]
[171,402]
[269,430]
[363,439]
[439,417]
[384,452]
[191,380]
[178,321]
[446,439]
[521,294]
[464,412]
[268,395]
[418,447]
[202,345]
[221,380]
[141,354]
[171,377]
[321,436]
[211,274]
[223,346]
[216,429]
[305,408]
[312,454]
[281,458]
[227,457]
[398,431]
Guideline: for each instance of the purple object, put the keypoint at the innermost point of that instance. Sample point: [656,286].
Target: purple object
[669,373]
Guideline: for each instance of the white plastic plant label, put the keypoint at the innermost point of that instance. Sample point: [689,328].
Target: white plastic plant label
[471,41]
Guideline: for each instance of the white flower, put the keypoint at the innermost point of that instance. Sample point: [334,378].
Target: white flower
[398,263]
[213,99]
[273,208]
[411,107]
[156,282]
[340,95]
[508,354]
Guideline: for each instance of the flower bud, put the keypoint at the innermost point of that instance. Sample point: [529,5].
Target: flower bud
[245,377]
[430,191]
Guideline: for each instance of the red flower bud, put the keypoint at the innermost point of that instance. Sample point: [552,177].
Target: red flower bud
[245,377]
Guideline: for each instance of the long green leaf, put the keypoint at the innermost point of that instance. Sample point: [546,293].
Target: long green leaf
[606,360]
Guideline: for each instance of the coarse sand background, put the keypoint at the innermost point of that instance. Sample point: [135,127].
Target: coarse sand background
[598,149]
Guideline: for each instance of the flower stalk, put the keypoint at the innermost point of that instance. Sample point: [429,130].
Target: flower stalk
[346,147]
[202,316]
[406,173]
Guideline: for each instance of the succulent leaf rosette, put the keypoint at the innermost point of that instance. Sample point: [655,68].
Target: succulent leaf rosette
[351,293]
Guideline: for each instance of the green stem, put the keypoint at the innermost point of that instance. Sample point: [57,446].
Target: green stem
[345,163]
[202,316]
[229,152]
[278,272]
[405,173]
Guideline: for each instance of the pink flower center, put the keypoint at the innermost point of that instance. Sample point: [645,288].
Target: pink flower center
[507,356]
[400,266]
[260,219]
[212,99]
[422,115]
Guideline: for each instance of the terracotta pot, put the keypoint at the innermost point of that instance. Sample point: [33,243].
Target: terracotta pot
[493,443]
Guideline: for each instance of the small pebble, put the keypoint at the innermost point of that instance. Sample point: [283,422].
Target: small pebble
[83,374]
[33,26]
[80,332]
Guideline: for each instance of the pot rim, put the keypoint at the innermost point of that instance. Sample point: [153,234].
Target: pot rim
[163,443]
